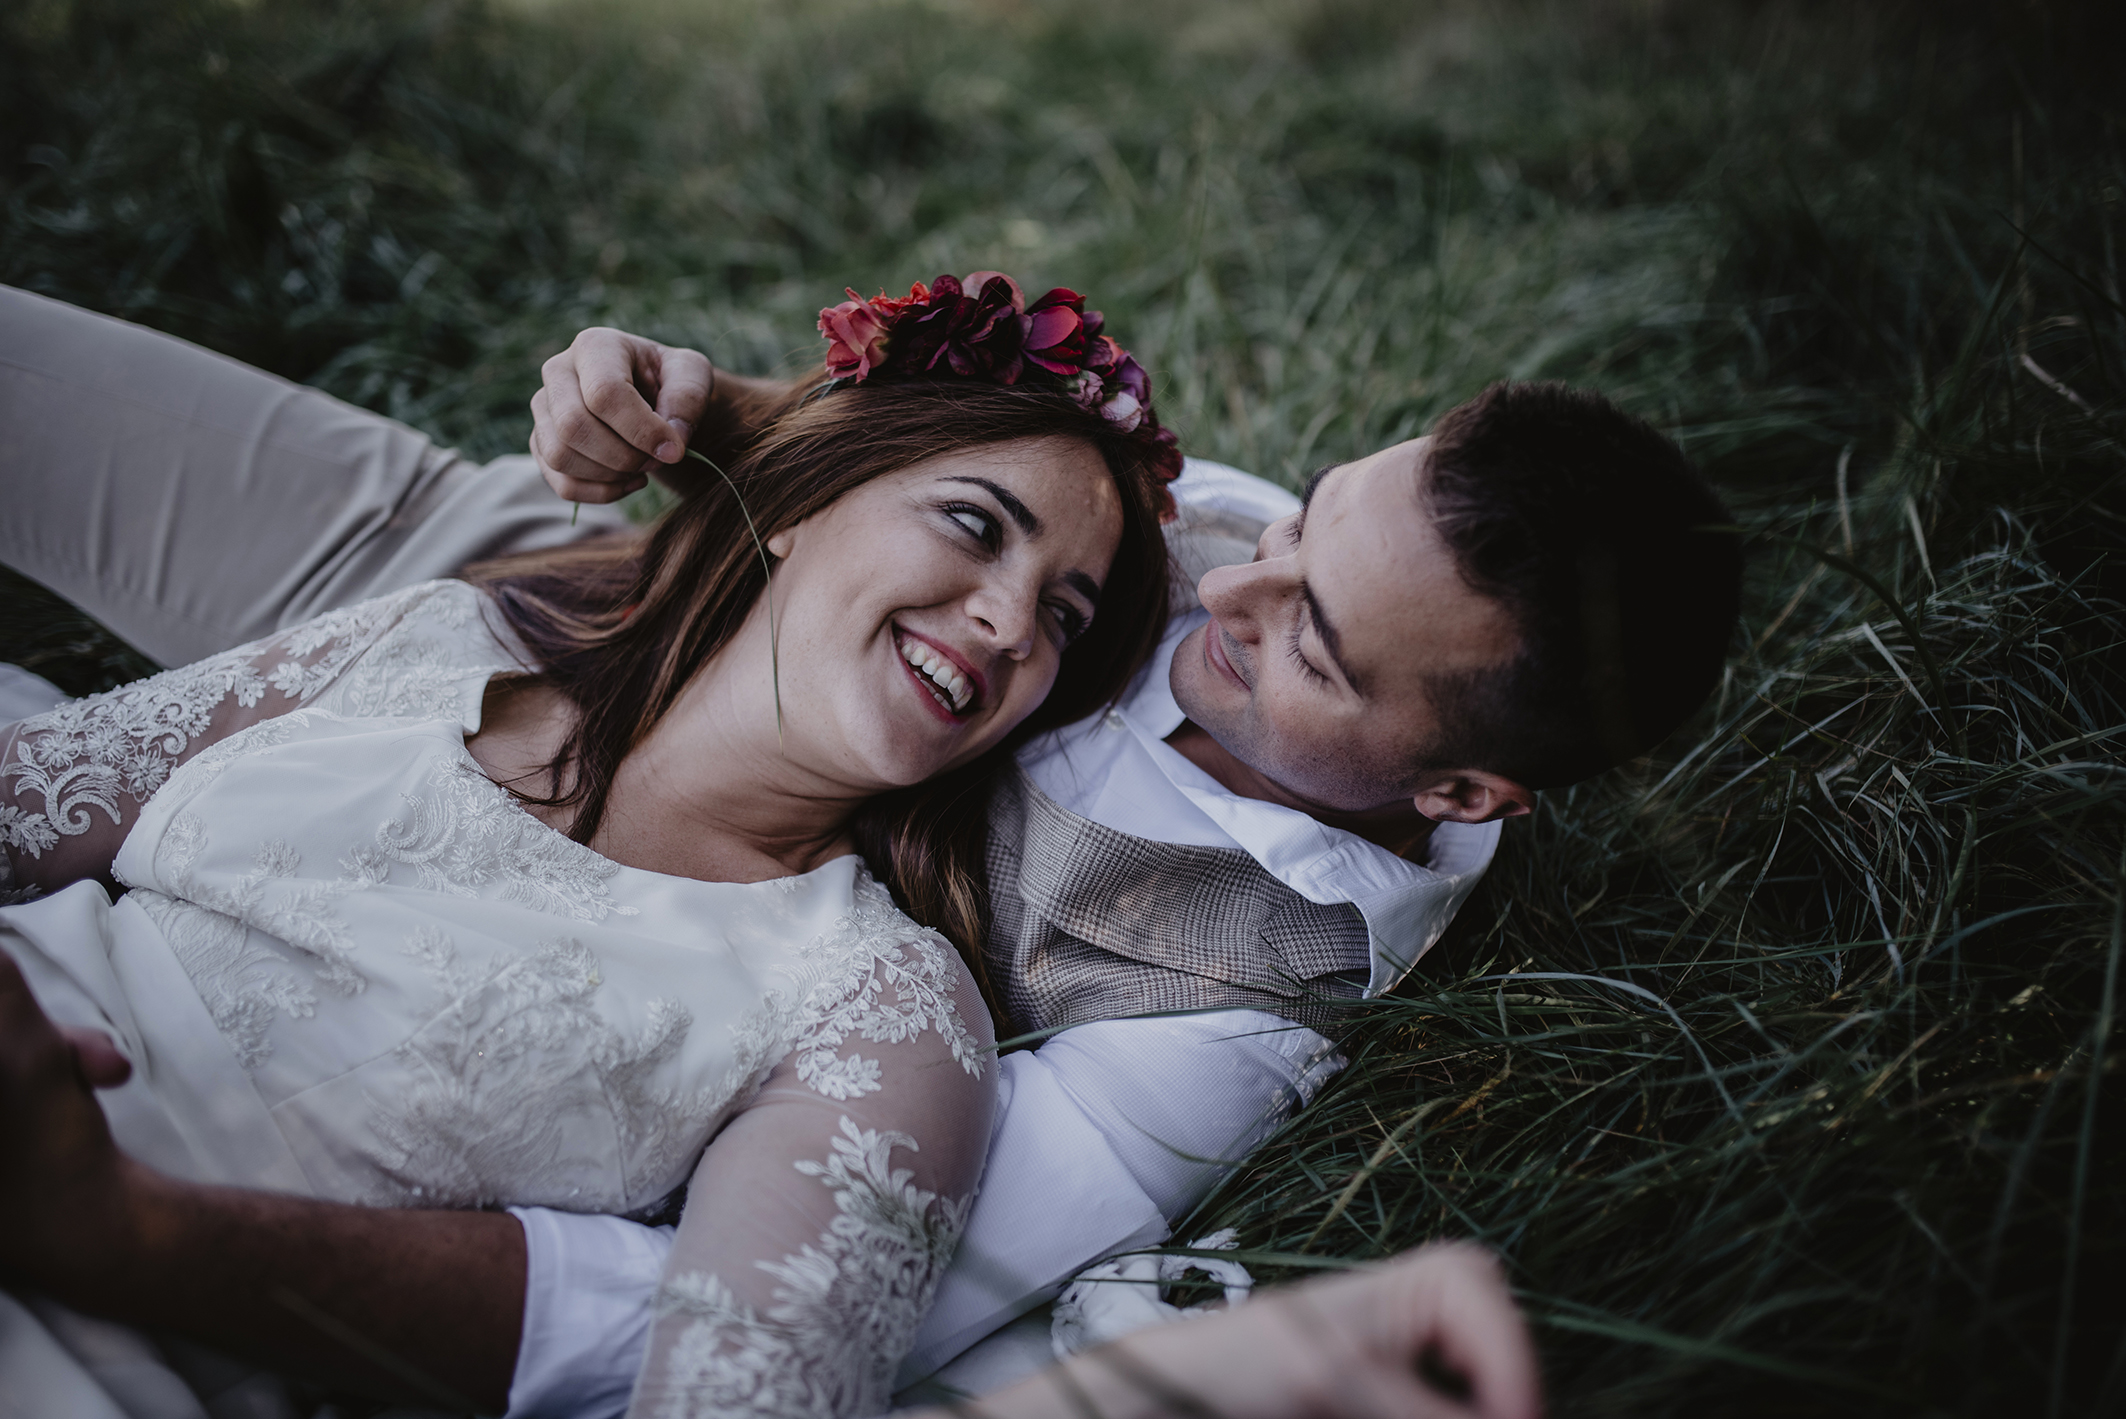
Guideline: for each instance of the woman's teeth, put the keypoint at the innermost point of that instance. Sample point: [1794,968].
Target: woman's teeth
[953,689]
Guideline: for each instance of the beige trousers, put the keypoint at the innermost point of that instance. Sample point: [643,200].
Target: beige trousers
[192,503]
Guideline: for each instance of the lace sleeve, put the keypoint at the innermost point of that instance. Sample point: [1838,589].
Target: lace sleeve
[73,779]
[821,1220]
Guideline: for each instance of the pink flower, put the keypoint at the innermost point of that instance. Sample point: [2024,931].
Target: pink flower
[1129,390]
[856,332]
[1123,410]
[1086,388]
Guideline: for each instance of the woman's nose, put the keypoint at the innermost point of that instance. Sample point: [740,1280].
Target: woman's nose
[1007,618]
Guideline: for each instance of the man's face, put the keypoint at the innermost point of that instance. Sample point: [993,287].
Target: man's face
[1312,669]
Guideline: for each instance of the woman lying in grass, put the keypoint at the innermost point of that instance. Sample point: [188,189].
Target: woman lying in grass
[547,894]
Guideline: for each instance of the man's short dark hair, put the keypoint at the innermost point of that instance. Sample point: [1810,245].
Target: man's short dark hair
[1596,534]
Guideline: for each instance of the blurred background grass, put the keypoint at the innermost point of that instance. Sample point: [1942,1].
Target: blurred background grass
[1779,1065]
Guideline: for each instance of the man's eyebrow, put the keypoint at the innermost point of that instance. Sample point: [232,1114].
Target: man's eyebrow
[1306,498]
[1330,639]
[1020,513]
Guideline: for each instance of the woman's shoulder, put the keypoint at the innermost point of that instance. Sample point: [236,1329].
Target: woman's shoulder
[425,652]
[878,974]
[79,774]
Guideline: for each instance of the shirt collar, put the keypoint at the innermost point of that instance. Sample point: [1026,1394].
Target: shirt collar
[1406,905]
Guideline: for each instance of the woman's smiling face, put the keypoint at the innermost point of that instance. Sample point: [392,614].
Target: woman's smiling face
[924,615]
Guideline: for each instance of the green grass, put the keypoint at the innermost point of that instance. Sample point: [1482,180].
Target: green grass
[1781,1065]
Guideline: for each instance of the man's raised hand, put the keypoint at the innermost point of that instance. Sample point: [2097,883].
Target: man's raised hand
[613,407]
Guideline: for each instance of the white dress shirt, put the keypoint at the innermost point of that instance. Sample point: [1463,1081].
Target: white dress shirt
[1110,1131]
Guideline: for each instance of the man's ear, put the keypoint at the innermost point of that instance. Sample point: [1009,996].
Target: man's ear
[1471,796]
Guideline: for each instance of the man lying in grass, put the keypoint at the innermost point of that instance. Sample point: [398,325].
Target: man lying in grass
[1286,807]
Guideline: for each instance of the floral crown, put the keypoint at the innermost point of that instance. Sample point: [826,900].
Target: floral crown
[983,328]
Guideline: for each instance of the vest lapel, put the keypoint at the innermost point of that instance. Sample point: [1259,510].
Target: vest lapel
[1092,923]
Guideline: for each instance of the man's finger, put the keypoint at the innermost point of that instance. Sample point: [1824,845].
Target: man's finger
[577,490]
[570,425]
[554,458]
[101,1064]
[1470,1323]
[33,1055]
[611,370]
[684,382]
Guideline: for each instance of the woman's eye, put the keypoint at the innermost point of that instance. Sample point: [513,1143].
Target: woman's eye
[1069,620]
[980,525]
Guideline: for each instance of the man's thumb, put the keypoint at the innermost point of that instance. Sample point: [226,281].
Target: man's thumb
[102,1066]
[684,383]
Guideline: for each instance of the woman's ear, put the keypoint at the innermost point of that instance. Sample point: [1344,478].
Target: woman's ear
[780,543]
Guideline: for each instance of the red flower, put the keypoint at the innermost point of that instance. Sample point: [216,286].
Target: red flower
[1055,331]
[974,336]
[983,328]
[978,282]
[890,306]
[1167,459]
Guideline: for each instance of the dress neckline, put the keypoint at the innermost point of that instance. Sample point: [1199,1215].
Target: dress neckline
[507,642]
[789,880]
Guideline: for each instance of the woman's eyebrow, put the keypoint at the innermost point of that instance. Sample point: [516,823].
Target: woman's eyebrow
[1020,513]
[1084,585]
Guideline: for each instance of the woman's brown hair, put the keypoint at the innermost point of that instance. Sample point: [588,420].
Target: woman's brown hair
[620,626]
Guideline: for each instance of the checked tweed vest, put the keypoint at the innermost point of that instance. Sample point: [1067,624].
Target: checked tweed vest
[1091,924]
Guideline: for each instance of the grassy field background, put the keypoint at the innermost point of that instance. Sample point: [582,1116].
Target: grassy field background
[1781,1065]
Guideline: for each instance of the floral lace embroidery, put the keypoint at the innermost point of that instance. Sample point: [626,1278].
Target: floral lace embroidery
[84,754]
[243,984]
[412,671]
[510,1036]
[844,1311]
[459,836]
[850,998]
[13,822]
[462,834]
[301,917]
[489,1116]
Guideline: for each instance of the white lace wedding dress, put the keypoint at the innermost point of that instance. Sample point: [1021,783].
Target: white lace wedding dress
[351,966]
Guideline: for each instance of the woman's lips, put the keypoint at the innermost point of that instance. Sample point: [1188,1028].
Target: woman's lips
[1214,654]
[930,688]
[927,693]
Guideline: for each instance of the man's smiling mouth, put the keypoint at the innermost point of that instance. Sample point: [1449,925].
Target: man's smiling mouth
[951,686]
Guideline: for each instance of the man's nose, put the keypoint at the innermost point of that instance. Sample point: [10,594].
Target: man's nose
[1241,595]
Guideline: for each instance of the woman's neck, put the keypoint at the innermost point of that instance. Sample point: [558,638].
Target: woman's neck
[711,793]
[708,794]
